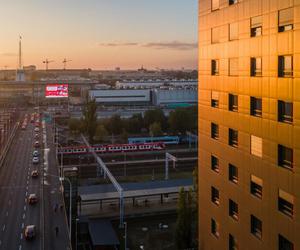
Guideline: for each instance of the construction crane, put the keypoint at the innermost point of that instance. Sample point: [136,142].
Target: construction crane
[47,63]
[65,63]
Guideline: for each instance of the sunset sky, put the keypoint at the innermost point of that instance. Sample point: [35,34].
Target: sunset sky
[100,34]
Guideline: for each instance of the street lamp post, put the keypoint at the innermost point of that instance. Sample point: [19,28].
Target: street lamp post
[125,236]
[70,207]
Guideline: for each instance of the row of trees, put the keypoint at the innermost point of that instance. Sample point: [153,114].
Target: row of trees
[186,234]
[154,122]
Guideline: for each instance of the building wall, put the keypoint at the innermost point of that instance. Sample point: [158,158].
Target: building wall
[120,96]
[163,97]
[271,89]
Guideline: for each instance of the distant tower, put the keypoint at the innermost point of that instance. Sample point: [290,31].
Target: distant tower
[20,75]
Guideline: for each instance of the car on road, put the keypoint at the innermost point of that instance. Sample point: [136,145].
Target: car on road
[30,232]
[36,136]
[36,129]
[35,160]
[36,144]
[34,174]
[35,153]
[32,199]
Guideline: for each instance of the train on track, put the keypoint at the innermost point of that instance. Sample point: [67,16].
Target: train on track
[113,148]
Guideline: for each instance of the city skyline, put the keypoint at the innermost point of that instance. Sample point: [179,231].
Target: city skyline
[91,36]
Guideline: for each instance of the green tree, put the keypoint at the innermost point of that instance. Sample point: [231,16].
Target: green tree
[135,123]
[101,133]
[155,115]
[124,135]
[185,220]
[114,125]
[74,125]
[155,129]
[90,119]
[181,120]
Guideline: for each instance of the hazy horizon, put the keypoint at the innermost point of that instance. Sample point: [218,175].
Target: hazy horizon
[101,35]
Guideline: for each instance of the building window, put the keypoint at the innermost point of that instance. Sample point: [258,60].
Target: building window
[233,209]
[215,4]
[256,106]
[233,173]
[256,186]
[215,99]
[285,112]
[256,66]
[256,227]
[233,138]
[215,35]
[285,19]
[256,26]
[285,66]
[284,244]
[214,227]
[215,67]
[215,164]
[233,102]
[215,196]
[231,2]
[256,146]
[232,243]
[286,203]
[214,131]
[233,31]
[285,157]
[233,66]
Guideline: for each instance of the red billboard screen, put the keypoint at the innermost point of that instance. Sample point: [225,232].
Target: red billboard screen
[56,90]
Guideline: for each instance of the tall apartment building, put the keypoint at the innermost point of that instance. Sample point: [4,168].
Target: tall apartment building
[249,124]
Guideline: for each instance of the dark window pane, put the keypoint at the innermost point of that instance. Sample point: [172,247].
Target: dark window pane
[285,157]
[233,138]
[214,131]
[215,164]
[256,106]
[256,227]
[285,66]
[233,173]
[231,2]
[215,195]
[256,66]
[285,112]
[232,243]
[214,228]
[233,102]
[233,210]
[284,244]
[286,203]
[256,186]
[215,67]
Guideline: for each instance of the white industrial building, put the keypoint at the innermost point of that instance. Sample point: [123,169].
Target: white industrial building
[152,84]
[121,97]
[165,97]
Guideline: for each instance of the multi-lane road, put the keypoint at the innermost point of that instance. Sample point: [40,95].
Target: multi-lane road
[16,184]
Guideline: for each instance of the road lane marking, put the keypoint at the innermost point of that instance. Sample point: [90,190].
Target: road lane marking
[22,225]
[24,216]
[6,213]
[26,193]
[20,247]
[21,237]
[25,208]
[3,228]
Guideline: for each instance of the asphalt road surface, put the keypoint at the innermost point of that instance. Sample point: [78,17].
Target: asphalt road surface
[16,184]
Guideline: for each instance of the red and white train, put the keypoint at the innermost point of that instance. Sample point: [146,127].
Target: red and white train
[113,148]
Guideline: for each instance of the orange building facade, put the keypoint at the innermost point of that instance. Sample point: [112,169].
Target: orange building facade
[249,124]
